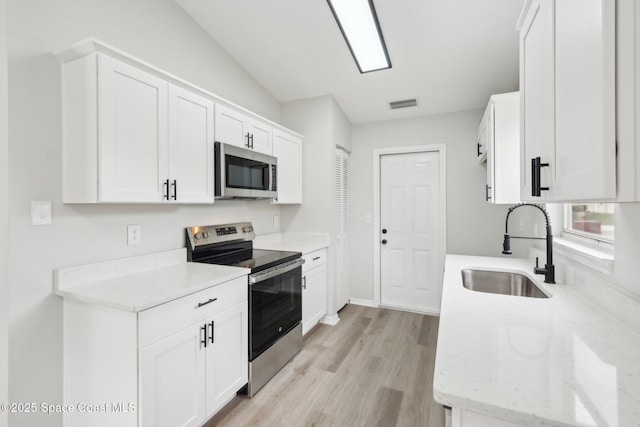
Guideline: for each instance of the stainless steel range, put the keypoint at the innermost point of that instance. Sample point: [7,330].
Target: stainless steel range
[275,294]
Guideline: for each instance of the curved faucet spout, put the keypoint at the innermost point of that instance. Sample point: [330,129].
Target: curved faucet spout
[549,268]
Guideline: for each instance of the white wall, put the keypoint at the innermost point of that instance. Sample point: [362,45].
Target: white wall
[627,247]
[473,226]
[156,31]
[323,125]
[4,221]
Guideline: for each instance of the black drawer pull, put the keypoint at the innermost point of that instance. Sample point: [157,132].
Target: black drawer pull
[315,258]
[204,340]
[200,304]
[213,334]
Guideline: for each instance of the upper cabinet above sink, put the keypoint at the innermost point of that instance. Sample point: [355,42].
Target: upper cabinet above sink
[499,139]
[568,111]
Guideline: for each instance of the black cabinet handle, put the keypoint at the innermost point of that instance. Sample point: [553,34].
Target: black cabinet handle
[212,337]
[384,241]
[204,340]
[487,187]
[166,190]
[251,139]
[478,144]
[247,144]
[175,190]
[304,282]
[384,231]
[200,304]
[536,187]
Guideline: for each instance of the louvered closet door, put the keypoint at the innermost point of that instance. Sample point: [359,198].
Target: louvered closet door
[342,226]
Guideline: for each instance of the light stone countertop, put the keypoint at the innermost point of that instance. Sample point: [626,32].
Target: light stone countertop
[560,361]
[298,242]
[141,282]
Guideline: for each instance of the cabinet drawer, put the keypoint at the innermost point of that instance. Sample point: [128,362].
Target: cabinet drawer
[314,259]
[166,319]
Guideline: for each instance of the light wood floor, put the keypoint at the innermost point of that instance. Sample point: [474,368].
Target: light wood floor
[374,368]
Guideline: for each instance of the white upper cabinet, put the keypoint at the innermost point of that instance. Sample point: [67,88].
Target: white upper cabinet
[133,133]
[287,148]
[132,108]
[237,128]
[500,126]
[130,136]
[567,87]
[190,146]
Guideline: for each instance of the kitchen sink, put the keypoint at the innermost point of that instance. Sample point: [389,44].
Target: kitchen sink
[501,282]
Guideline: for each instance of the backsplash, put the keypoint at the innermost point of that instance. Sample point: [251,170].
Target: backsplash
[597,288]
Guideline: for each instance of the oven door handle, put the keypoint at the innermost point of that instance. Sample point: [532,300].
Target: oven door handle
[268,274]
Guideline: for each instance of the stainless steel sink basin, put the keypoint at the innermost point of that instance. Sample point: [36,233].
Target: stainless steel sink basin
[501,282]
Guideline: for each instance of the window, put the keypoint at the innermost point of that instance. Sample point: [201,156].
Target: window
[592,220]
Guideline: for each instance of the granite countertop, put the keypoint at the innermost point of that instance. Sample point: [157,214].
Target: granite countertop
[138,283]
[298,242]
[555,361]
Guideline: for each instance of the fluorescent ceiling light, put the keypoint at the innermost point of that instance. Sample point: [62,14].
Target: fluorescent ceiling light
[358,22]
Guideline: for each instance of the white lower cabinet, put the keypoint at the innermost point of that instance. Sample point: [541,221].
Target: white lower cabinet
[175,364]
[314,289]
[172,381]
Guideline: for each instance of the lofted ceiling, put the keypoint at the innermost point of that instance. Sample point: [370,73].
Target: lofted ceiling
[450,54]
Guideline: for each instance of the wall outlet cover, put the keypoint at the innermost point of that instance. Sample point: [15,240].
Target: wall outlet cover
[134,234]
[40,213]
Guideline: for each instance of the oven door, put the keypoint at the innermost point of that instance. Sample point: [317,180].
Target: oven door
[275,306]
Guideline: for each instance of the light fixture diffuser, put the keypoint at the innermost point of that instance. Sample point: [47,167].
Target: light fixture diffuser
[359,24]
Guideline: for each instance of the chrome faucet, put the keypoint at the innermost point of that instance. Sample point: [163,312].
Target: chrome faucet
[549,269]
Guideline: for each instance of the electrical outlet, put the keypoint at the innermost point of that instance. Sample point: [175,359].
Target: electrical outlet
[276,221]
[134,234]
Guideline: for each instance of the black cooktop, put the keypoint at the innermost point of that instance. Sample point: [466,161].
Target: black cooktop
[255,259]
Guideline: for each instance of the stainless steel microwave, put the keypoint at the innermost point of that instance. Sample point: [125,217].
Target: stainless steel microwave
[244,174]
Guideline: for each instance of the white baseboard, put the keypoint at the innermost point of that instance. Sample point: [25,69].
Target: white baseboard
[363,302]
[330,320]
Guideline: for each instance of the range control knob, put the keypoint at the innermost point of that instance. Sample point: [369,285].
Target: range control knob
[197,236]
[205,234]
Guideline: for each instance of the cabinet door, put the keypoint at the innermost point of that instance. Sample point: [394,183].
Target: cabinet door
[261,136]
[172,381]
[227,365]
[536,95]
[314,297]
[230,126]
[585,163]
[190,146]
[488,137]
[132,108]
[288,149]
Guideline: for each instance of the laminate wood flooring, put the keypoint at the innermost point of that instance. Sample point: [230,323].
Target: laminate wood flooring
[374,368]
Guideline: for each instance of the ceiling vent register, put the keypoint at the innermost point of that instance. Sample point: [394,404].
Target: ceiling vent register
[403,104]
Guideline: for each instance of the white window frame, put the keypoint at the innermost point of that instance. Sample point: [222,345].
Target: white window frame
[581,237]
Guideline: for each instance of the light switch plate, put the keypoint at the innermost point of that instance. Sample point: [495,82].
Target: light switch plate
[40,212]
[276,221]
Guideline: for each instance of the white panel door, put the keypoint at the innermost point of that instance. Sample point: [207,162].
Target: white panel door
[132,133]
[260,134]
[172,382]
[190,146]
[536,96]
[585,149]
[227,357]
[288,150]
[230,126]
[410,258]
[314,297]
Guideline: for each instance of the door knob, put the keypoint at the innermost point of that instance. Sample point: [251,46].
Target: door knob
[384,231]
[384,241]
